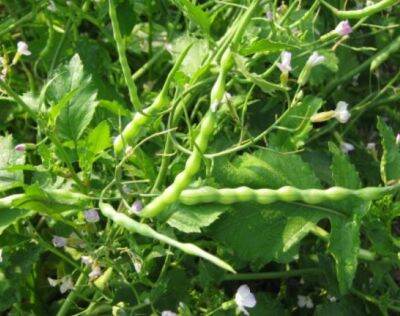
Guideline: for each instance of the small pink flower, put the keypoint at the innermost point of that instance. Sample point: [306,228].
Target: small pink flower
[92,216]
[269,15]
[95,273]
[315,59]
[136,207]
[285,65]
[343,28]
[23,49]
[20,147]
[59,242]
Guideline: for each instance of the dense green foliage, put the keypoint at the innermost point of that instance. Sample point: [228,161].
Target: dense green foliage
[157,155]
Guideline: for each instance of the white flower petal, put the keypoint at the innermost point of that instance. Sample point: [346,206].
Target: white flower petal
[23,48]
[66,285]
[168,313]
[244,298]
[315,59]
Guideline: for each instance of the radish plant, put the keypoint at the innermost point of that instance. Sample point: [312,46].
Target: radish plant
[199,157]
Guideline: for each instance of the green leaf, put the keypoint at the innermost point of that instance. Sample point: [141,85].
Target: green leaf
[266,306]
[195,14]
[76,115]
[265,168]
[114,107]
[295,124]
[195,56]
[190,219]
[390,161]
[345,307]
[8,158]
[344,241]
[343,172]
[344,245]
[266,46]
[96,142]
[9,217]
[261,233]
[264,85]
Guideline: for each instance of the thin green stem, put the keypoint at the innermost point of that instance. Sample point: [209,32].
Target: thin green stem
[133,94]
[69,301]
[270,275]
[361,13]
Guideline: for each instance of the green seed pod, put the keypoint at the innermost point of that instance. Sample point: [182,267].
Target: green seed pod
[145,230]
[358,14]
[384,54]
[182,180]
[283,194]
[141,119]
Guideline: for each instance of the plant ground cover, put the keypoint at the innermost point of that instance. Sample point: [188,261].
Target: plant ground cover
[199,157]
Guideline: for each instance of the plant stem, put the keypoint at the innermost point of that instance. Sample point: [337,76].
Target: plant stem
[270,275]
[362,13]
[72,295]
[133,95]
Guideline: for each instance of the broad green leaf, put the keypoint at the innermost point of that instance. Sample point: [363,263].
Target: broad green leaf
[74,117]
[8,158]
[390,161]
[266,46]
[261,233]
[190,219]
[343,172]
[293,129]
[18,264]
[265,169]
[195,14]
[96,142]
[11,216]
[344,241]
[264,85]
[195,56]
[99,138]
[344,245]
[346,306]
[114,107]
[266,306]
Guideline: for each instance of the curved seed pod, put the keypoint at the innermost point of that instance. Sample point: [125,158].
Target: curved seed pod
[358,14]
[283,194]
[192,166]
[141,119]
[145,230]
[384,54]
[182,180]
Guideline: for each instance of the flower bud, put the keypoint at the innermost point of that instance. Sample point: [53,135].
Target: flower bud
[92,216]
[322,116]
[343,28]
[136,207]
[20,147]
[341,112]
[59,241]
